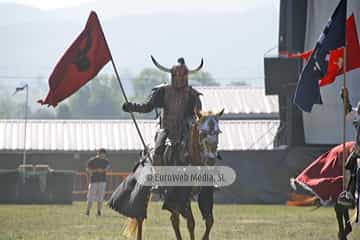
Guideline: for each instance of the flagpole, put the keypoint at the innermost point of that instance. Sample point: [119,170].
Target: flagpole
[345,103]
[122,89]
[25,121]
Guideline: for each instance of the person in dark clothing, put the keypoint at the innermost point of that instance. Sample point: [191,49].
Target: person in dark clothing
[96,168]
[346,199]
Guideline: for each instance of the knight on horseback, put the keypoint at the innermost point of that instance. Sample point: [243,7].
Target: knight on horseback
[179,103]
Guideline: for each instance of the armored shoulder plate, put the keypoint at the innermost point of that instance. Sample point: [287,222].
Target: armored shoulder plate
[194,91]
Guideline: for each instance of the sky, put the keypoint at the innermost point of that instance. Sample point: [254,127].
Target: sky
[141,6]
[221,38]
[48,4]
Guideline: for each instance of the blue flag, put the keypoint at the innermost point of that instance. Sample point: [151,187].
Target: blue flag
[333,36]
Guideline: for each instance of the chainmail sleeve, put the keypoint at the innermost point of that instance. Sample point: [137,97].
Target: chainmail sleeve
[155,100]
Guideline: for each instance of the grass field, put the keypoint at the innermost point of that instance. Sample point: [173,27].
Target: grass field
[231,222]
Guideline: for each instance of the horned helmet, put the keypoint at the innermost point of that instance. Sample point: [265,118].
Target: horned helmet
[179,73]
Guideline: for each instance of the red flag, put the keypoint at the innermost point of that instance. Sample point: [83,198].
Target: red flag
[79,64]
[353,46]
[335,67]
[336,57]
[324,176]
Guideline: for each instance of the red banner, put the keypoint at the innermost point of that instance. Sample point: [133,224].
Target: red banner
[79,64]
[324,176]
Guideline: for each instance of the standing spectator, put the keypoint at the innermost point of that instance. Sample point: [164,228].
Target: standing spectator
[96,168]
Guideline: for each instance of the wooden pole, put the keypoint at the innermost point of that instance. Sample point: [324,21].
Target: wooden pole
[25,121]
[345,103]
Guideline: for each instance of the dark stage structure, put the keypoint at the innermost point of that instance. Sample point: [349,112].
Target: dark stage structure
[36,184]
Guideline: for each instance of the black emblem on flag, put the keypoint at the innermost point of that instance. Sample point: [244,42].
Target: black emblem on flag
[82,62]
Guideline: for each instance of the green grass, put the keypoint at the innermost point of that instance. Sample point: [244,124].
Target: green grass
[231,222]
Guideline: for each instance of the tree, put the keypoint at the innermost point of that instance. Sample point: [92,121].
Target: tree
[105,100]
[237,83]
[79,102]
[202,78]
[146,80]
[63,111]
[11,109]
[5,108]
[42,113]
[100,98]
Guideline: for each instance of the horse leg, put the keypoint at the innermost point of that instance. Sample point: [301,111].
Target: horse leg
[139,228]
[175,222]
[191,224]
[206,204]
[209,222]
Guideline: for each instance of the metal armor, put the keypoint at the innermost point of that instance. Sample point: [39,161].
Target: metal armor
[179,106]
[178,101]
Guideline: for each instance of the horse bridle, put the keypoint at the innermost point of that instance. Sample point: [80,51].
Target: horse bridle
[208,139]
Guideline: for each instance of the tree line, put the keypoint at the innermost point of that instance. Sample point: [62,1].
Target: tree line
[102,98]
